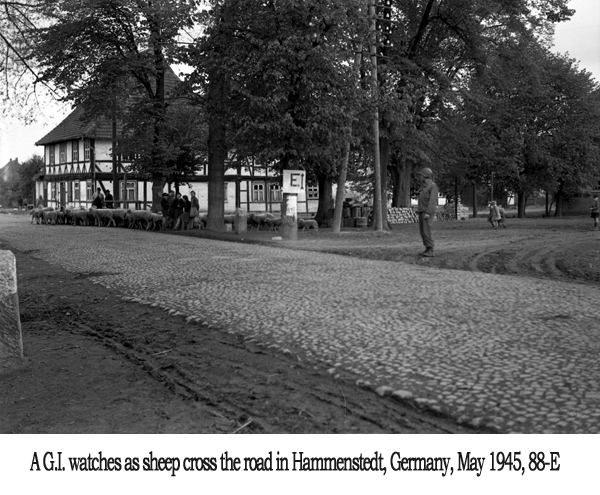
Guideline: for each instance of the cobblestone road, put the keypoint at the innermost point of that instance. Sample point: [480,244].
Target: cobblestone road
[517,354]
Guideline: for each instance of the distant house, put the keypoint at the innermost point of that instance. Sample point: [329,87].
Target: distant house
[7,173]
[78,159]
[10,170]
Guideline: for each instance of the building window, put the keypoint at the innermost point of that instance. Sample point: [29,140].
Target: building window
[75,151]
[87,149]
[69,192]
[130,157]
[89,190]
[129,195]
[51,153]
[76,193]
[225,192]
[62,153]
[53,191]
[312,192]
[258,192]
[275,190]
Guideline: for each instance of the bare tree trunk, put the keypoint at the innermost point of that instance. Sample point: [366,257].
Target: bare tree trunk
[521,204]
[115,160]
[158,184]
[395,176]
[158,158]
[336,226]
[377,219]
[403,172]
[217,152]
[384,158]
[325,199]
[559,197]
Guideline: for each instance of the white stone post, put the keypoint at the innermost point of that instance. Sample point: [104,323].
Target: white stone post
[11,339]
[241,221]
[289,217]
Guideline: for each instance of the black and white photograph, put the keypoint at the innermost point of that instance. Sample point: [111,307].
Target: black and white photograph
[365,230]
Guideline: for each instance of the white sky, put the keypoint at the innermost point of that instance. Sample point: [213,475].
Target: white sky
[580,38]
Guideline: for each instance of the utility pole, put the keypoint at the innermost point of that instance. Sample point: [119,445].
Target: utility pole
[377,220]
[456,197]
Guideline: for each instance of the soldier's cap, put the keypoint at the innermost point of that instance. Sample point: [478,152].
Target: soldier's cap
[426,172]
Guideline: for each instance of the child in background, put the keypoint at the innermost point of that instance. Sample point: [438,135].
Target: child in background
[502,216]
[595,211]
[494,216]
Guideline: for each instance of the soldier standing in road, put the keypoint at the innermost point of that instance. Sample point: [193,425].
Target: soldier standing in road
[428,200]
[595,211]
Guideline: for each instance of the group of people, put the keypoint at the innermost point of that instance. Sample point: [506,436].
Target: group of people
[181,210]
[428,201]
[496,215]
[100,200]
[428,195]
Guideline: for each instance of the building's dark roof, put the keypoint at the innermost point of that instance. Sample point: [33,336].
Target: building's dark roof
[75,126]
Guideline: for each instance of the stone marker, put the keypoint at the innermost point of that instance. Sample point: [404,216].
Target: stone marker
[241,221]
[289,217]
[11,340]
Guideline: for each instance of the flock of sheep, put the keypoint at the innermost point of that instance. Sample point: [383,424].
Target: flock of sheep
[99,217]
[147,219]
[268,221]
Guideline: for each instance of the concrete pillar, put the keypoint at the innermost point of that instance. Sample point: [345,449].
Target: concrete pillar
[11,339]
[289,217]
[241,221]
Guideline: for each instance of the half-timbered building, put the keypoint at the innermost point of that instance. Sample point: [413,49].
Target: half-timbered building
[78,159]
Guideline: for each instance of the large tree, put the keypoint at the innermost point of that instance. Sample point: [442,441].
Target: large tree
[436,49]
[276,78]
[29,172]
[536,111]
[86,41]
[20,88]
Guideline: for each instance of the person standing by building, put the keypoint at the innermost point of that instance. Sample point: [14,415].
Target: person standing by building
[177,209]
[98,199]
[595,211]
[428,200]
[109,199]
[195,208]
[184,219]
